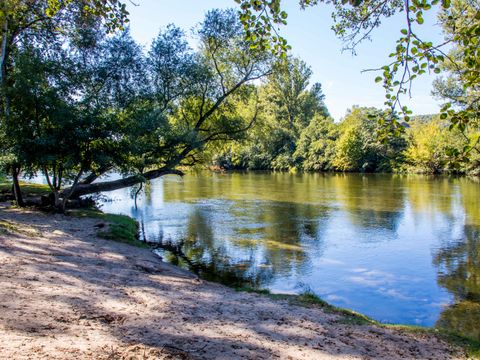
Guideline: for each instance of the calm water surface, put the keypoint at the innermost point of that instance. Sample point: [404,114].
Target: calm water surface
[401,249]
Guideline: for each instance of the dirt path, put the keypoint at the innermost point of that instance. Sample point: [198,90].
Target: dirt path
[66,294]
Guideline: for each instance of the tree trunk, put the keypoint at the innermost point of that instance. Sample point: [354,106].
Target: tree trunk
[17,192]
[95,175]
[4,53]
[56,201]
[67,195]
[85,189]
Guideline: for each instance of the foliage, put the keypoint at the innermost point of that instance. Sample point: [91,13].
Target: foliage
[428,142]
[28,188]
[97,103]
[354,144]
[359,147]
[43,22]
[355,20]
[316,145]
[287,105]
[461,87]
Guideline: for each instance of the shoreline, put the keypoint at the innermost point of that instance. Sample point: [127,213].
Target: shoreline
[97,298]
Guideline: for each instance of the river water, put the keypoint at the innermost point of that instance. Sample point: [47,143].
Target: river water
[400,249]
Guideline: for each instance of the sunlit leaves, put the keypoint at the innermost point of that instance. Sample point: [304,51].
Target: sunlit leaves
[113,12]
[412,57]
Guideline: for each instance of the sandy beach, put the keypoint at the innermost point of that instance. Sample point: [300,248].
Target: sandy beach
[67,294]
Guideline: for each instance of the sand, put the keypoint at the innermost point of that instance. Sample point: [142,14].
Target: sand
[66,294]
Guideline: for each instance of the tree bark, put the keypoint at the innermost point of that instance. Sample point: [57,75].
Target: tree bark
[86,189]
[90,178]
[17,192]
[4,53]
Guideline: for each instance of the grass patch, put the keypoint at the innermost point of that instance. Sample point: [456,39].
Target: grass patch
[27,188]
[249,289]
[472,347]
[120,228]
[349,317]
[310,299]
[7,227]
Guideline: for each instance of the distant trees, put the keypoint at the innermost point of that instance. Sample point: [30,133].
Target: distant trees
[316,145]
[354,144]
[427,145]
[412,54]
[360,148]
[288,104]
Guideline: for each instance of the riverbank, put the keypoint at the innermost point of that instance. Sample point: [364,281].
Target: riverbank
[67,294]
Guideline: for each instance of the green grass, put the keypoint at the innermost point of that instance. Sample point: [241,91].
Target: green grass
[472,347]
[8,227]
[309,299]
[27,188]
[119,228]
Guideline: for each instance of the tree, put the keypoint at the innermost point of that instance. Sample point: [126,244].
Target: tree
[22,20]
[461,87]
[316,145]
[288,91]
[288,103]
[359,146]
[427,146]
[143,115]
[413,56]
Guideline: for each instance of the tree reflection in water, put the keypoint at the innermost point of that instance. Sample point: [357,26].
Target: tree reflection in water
[199,252]
[347,236]
[459,272]
[262,251]
[458,266]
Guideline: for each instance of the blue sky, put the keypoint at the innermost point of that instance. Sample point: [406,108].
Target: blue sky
[309,34]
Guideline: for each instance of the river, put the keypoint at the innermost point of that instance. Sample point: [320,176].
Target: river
[400,249]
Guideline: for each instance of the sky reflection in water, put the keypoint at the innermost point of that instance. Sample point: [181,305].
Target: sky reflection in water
[400,249]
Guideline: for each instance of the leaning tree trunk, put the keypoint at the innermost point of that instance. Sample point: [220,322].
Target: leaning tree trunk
[86,189]
[17,192]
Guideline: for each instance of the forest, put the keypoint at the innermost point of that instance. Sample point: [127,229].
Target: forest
[80,99]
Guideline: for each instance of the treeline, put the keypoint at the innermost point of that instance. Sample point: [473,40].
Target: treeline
[295,132]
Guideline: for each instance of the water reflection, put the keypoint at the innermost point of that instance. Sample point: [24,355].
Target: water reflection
[360,241]
[458,264]
[199,252]
[459,271]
